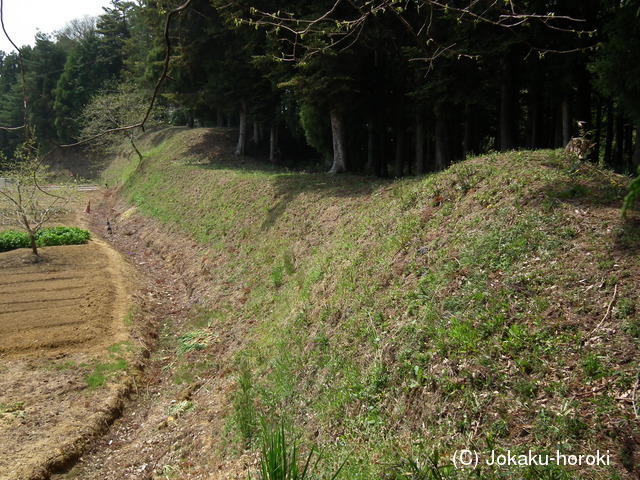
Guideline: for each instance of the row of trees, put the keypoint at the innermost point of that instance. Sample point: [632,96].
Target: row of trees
[385,87]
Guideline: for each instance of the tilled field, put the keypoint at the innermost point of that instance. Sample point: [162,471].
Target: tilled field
[59,321]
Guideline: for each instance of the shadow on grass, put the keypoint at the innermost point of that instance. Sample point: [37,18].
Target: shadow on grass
[628,238]
[587,193]
[593,194]
[214,151]
[289,186]
[158,135]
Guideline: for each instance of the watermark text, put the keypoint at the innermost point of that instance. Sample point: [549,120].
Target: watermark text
[472,459]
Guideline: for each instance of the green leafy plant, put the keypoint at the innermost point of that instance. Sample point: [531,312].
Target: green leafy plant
[243,405]
[116,362]
[431,469]
[53,236]
[103,371]
[280,458]
[277,276]
[10,240]
[47,237]
[632,195]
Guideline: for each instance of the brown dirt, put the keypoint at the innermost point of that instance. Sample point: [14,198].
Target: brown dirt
[151,440]
[67,302]
[57,318]
[61,317]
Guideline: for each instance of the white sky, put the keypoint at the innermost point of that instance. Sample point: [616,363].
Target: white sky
[24,18]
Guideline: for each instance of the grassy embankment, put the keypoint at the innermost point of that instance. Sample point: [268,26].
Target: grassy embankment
[490,306]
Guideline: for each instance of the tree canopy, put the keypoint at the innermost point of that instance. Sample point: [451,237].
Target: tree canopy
[385,87]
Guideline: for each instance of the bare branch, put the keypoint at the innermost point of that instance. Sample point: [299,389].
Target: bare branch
[22,74]
[335,30]
[163,76]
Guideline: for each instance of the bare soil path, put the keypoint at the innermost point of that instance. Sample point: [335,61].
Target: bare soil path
[155,438]
[59,322]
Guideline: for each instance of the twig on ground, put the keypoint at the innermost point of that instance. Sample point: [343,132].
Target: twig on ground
[633,397]
[615,292]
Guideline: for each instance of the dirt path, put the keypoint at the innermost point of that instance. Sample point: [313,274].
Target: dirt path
[61,322]
[168,428]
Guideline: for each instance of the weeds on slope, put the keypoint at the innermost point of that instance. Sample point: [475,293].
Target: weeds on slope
[491,307]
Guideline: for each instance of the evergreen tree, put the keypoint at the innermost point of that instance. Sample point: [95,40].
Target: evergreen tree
[84,73]
[11,103]
[97,59]
[44,68]
[616,64]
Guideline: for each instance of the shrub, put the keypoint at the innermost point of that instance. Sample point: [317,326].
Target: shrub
[47,237]
[10,240]
[632,195]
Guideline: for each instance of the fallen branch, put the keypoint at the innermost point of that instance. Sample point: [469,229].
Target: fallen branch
[615,292]
[633,397]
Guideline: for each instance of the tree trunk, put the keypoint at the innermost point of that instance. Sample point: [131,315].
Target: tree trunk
[256,138]
[534,114]
[507,103]
[566,118]
[34,248]
[583,98]
[470,143]
[442,138]
[242,135]
[535,106]
[31,234]
[398,165]
[635,160]
[371,152]
[339,147]
[628,147]
[594,155]
[273,144]
[420,143]
[608,146]
[219,118]
[618,150]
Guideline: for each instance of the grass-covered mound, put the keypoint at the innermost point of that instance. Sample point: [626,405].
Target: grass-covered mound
[46,237]
[492,306]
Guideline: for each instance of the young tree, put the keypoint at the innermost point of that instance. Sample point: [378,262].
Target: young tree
[27,202]
[111,109]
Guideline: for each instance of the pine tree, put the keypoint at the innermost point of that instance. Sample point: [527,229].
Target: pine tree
[44,68]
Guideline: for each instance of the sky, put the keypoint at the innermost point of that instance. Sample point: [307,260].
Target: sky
[24,18]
